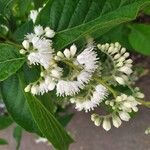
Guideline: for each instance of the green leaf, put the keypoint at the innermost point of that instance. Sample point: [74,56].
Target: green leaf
[10,61]
[139,38]
[3,142]
[38,3]
[16,103]
[48,125]
[17,134]
[65,119]
[74,19]
[20,7]
[117,34]
[5,121]
[22,31]
[147,10]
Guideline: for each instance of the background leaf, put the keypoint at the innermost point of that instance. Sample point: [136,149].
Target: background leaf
[74,19]
[48,125]
[3,142]
[16,103]
[22,31]
[5,121]
[17,134]
[10,61]
[140,38]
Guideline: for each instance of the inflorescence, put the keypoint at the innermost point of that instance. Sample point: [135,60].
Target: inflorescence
[77,76]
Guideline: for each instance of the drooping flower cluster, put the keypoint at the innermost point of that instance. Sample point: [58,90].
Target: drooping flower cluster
[77,76]
[119,57]
[93,100]
[123,105]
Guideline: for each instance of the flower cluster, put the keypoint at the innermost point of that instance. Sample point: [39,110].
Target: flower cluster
[93,100]
[119,56]
[122,106]
[38,46]
[77,76]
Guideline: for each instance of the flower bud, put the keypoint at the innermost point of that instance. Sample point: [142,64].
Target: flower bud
[110,50]
[22,51]
[116,121]
[119,64]
[117,56]
[72,100]
[129,61]
[147,131]
[60,54]
[99,46]
[42,74]
[123,50]
[27,88]
[127,104]
[67,53]
[135,109]
[57,58]
[34,89]
[126,55]
[26,44]
[121,59]
[140,95]
[120,80]
[73,50]
[124,116]
[126,70]
[118,99]
[97,121]
[117,44]
[106,124]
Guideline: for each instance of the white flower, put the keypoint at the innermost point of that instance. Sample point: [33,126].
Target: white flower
[56,72]
[42,44]
[88,58]
[106,124]
[98,95]
[39,48]
[30,36]
[84,77]
[33,15]
[38,30]
[42,58]
[66,88]
[49,32]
